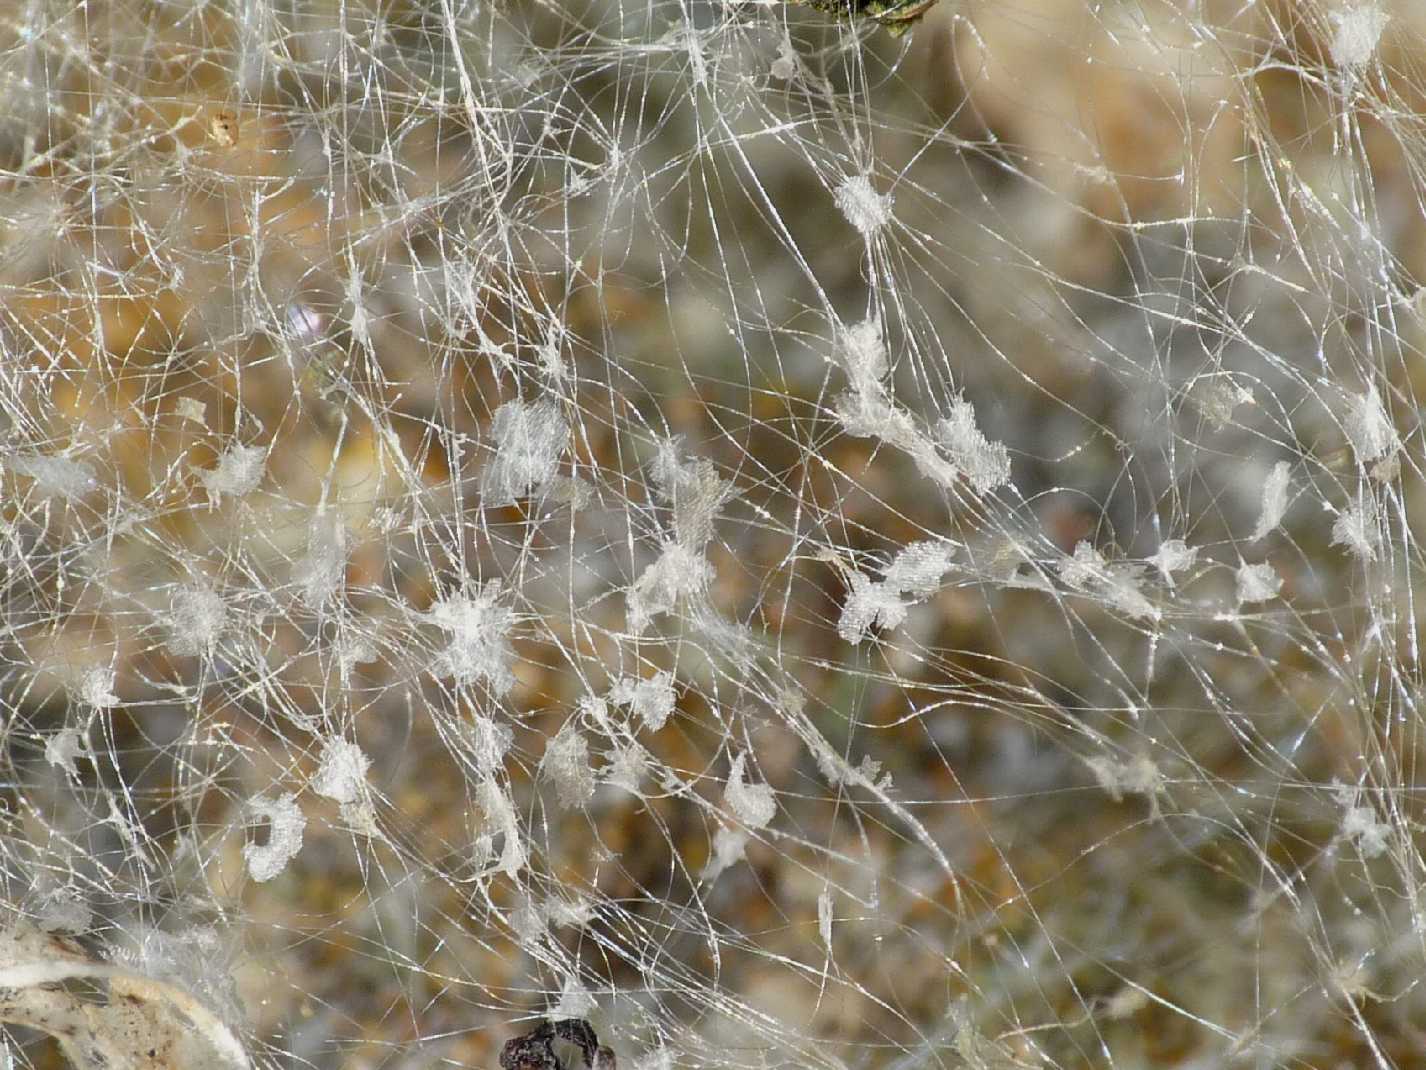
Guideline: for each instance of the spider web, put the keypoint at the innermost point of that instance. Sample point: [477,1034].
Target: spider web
[798,546]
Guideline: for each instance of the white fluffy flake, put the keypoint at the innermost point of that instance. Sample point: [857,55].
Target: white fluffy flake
[529,921]
[824,917]
[863,206]
[1275,489]
[985,464]
[696,503]
[869,604]
[1217,396]
[56,476]
[918,568]
[840,772]
[198,617]
[864,355]
[1118,583]
[728,847]
[489,742]
[785,66]
[319,574]
[913,574]
[1369,428]
[575,1000]
[96,687]
[1358,30]
[566,764]
[627,768]
[1173,555]
[192,410]
[529,439]
[752,804]
[1372,837]
[1361,825]
[1136,776]
[64,909]
[1356,528]
[63,748]
[651,700]
[678,573]
[501,820]
[341,776]
[1085,568]
[286,824]
[239,471]
[479,628]
[1122,591]
[1257,583]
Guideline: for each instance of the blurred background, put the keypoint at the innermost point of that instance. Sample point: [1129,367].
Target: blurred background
[799,545]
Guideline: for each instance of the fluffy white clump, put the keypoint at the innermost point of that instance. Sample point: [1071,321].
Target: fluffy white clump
[918,568]
[728,847]
[239,471]
[651,700]
[55,476]
[575,1000]
[692,485]
[752,804]
[63,748]
[913,574]
[1358,32]
[1137,776]
[1257,583]
[839,772]
[627,768]
[697,498]
[1173,555]
[1275,489]
[286,824]
[529,439]
[198,617]
[479,628]
[869,603]
[1117,583]
[864,355]
[566,764]
[785,66]
[985,464]
[864,207]
[96,687]
[679,572]
[489,742]
[1085,567]
[500,820]
[192,410]
[341,776]
[63,909]
[1356,528]
[319,574]
[530,921]
[1369,428]
[1218,395]
[1123,593]
[1360,823]
[654,700]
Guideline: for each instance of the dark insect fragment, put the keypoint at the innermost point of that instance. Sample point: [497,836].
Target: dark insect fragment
[897,16]
[536,1049]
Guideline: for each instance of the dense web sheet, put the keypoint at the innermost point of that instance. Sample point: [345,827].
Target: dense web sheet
[794,545]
